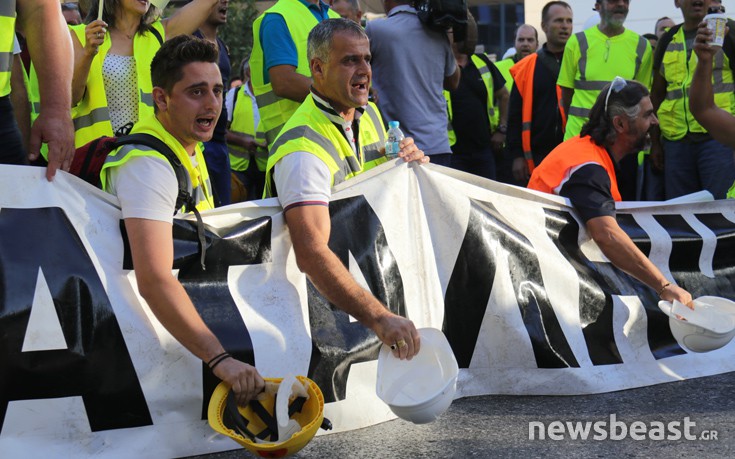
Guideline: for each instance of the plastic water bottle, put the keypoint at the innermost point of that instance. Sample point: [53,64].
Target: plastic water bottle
[395,135]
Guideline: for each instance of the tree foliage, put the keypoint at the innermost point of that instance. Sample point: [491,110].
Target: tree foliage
[238,32]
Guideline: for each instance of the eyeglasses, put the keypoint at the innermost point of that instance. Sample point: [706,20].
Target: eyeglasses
[617,85]
[70,6]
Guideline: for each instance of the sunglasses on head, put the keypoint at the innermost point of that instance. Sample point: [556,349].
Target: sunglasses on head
[617,85]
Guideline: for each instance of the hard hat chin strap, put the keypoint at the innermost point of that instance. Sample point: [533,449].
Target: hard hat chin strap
[236,421]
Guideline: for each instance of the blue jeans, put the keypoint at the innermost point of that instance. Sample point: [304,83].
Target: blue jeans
[218,166]
[690,167]
[11,150]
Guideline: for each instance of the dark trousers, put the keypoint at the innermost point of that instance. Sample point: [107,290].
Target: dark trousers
[480,163]
[442,159]
[11,143]
[218,166]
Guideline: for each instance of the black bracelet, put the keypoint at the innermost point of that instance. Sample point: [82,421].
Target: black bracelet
[209,364]
[663,288]
[225,356]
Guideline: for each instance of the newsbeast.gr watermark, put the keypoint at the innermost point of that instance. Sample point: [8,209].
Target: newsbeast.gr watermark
[613,429]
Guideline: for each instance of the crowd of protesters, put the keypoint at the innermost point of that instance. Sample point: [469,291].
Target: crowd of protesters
[497,120]
[597,117]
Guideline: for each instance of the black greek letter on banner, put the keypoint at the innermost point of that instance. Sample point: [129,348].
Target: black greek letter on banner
[597,283]
[41,244]
[471,283]
[247,243]
[337,343]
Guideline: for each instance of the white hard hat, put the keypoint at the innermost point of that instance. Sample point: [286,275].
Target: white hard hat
[421,389]
[710,326]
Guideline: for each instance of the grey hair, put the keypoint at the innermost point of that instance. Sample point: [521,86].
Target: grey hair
[618,107]
[320,37]
[624,102]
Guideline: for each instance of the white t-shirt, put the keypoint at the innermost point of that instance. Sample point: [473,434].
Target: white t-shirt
[146,187]
[301,178]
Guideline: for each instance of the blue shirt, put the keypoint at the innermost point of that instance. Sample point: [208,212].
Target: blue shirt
[410,62]
[275,38]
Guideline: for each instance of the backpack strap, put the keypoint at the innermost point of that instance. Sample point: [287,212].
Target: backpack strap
[183,198]
[156,34]
[485,59]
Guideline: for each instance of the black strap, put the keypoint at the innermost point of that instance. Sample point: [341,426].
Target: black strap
[234,420]
[271,425]
[157,34]
[549,61]
[485,59]
[183,199]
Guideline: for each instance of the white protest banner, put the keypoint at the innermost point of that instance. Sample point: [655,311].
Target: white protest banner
[528,303]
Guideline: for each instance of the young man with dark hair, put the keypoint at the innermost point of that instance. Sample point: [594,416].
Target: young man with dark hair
[187,96]
[584,169]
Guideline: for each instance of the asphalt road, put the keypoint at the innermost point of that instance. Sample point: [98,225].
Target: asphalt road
[498,426]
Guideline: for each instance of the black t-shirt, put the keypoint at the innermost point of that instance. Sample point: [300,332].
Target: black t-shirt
[469,109]
[589,190]
[546,124]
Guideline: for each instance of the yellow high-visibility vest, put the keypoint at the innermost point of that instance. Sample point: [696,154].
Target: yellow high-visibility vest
[674,117]
[311,131]
[275,110]
[7,32]
[91,115]
[200,186]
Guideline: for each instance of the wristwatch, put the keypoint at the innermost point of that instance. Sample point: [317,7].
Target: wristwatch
[503,129]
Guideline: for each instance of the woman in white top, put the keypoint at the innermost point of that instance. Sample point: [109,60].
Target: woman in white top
[124,69]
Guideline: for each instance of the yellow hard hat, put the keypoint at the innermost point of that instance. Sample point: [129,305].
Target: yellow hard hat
[256,428]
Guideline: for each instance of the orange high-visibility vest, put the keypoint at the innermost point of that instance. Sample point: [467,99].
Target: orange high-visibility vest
[578,151]
[523,73]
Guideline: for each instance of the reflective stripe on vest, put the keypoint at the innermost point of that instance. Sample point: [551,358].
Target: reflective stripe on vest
[243,122]
[274,110]
[199,186]
[586,90]
[7,32]
[311,131]
[487,78]
[554,171]
[675,119]
[127,152]
[261,154]
[91,115]
[523,73]
[504,67]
